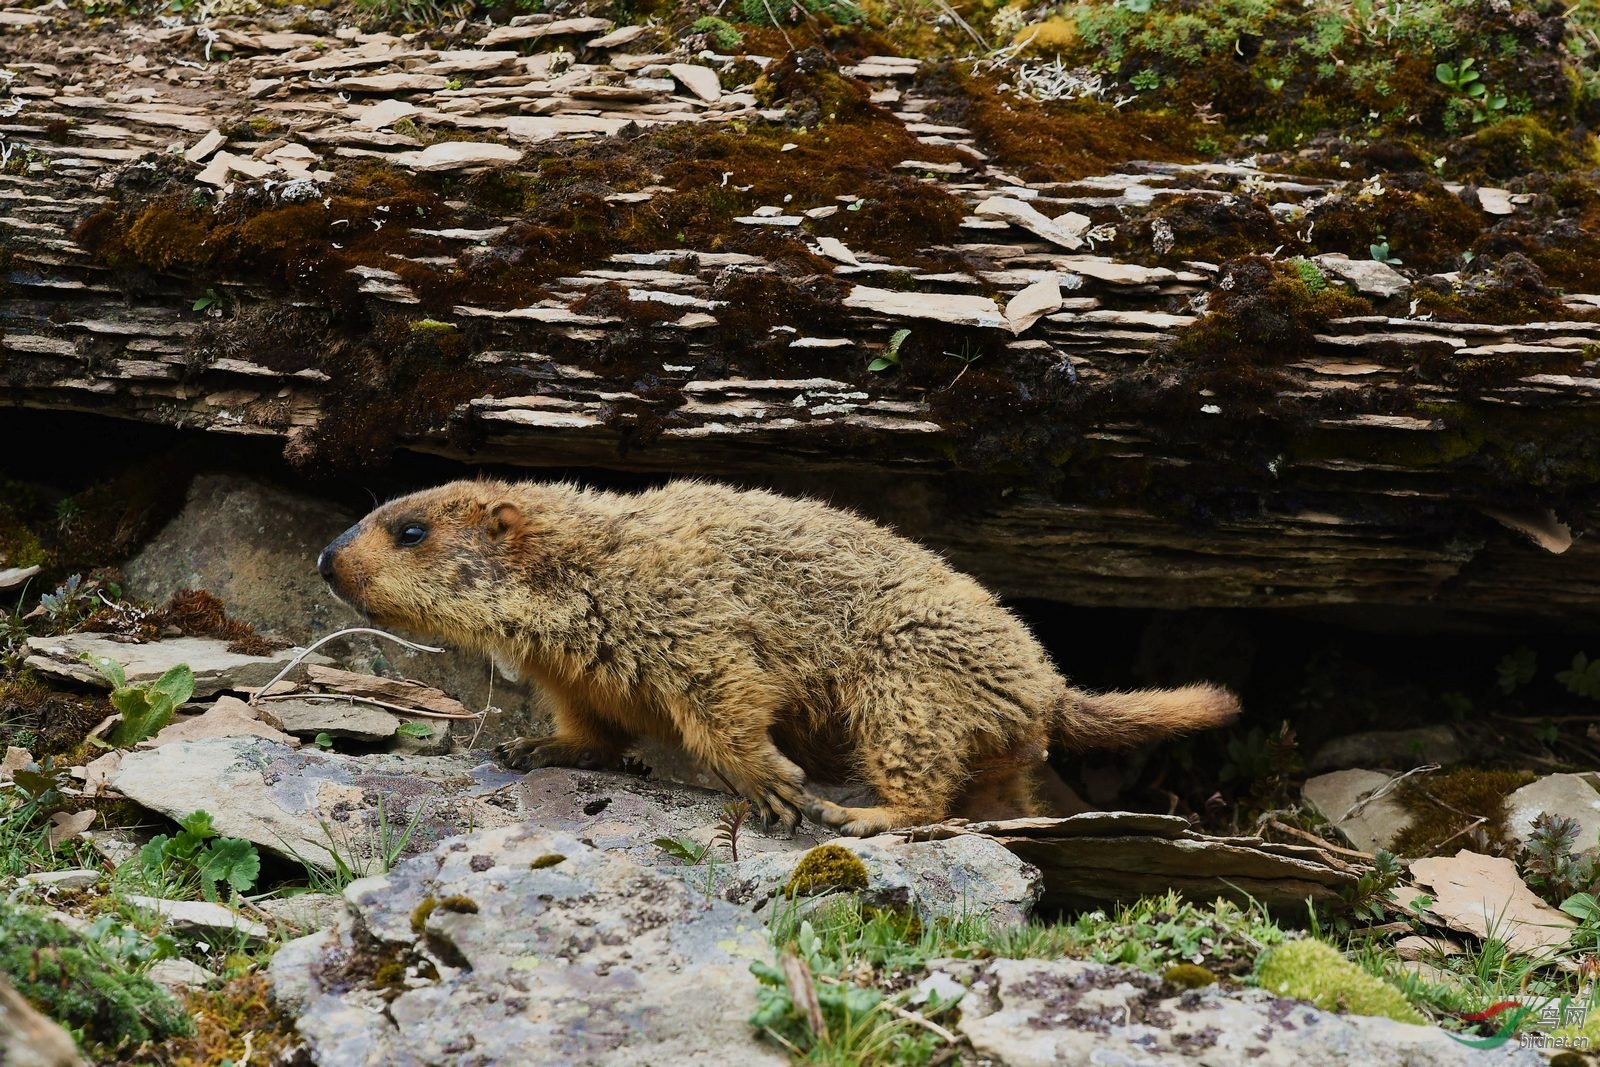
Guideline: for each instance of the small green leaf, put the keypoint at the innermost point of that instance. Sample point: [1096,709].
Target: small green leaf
[414,729]
[152,857]
[232,860]
[323,740]
[880,364]
[1582,906]
[199,824]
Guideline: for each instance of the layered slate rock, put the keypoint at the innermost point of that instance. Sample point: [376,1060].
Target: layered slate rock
[521,945]
[1379,459]
[214,667]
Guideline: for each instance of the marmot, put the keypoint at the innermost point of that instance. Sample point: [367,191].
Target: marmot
[770,637]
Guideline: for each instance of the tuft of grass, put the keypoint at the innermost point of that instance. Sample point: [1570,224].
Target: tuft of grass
[860,966]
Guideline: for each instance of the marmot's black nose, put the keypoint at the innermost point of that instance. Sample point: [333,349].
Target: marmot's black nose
[325,564]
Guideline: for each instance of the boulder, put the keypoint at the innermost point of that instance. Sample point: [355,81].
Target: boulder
[1066,1013]
[321,808]
[1571,795]
[523,945]
[1395,749]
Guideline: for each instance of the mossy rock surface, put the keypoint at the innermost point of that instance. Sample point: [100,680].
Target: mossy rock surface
[1316,971]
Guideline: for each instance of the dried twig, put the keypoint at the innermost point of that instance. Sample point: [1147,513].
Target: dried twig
[1386,788]
[375,702]
[319,642]
[922,1020]
[1306,835]
[803,992]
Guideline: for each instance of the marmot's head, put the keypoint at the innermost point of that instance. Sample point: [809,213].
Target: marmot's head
[429,562]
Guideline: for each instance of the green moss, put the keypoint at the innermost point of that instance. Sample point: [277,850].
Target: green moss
[1316,971]
[548,860]
[461,905]
[1444,806]
[1188,976]
[420,913]
[825,868]
[1517,146]
[71,980]
[719,34]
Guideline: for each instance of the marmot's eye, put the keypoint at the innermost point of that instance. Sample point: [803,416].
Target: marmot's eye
[410,535]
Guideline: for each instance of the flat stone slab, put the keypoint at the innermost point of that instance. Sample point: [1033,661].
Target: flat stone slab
[1376,824]
[201,917]
[215,668]
[307,718]
[536,948]
[1395,749]
[1066,1013]
[309,804]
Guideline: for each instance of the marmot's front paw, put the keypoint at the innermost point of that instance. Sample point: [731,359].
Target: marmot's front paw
[528,753]
[779,805]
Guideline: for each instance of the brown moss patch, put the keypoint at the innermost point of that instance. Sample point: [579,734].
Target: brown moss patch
[45,721]
[1211,228]
[222,1020]
[1263,312]
[1060,141]
[1425,225]
[1444,806]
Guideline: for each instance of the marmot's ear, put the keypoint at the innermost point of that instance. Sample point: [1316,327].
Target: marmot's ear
[504,520]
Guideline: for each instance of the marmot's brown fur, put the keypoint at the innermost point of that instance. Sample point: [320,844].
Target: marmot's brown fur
[763,634]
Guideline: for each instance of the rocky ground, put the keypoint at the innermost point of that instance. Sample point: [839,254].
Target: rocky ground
[1124,304]
[366,886]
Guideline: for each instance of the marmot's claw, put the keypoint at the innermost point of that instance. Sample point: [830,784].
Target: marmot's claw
[530,753]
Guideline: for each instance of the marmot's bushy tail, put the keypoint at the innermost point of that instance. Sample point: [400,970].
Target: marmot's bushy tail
[1116,720]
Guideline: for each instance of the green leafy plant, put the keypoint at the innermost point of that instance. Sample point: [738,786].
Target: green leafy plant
[1310,274]
[1516,668]
[197,857]
[413,729]
[890,357]
[682,848]
[71,600]
[1583,678]
[1372,896]
[323,740]
[207,301]
[1381,252]
[1548,864]
[1146,80]
[1460,77]
[145,708]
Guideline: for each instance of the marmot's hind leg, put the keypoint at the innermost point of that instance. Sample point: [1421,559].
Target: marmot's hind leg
[916,768]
